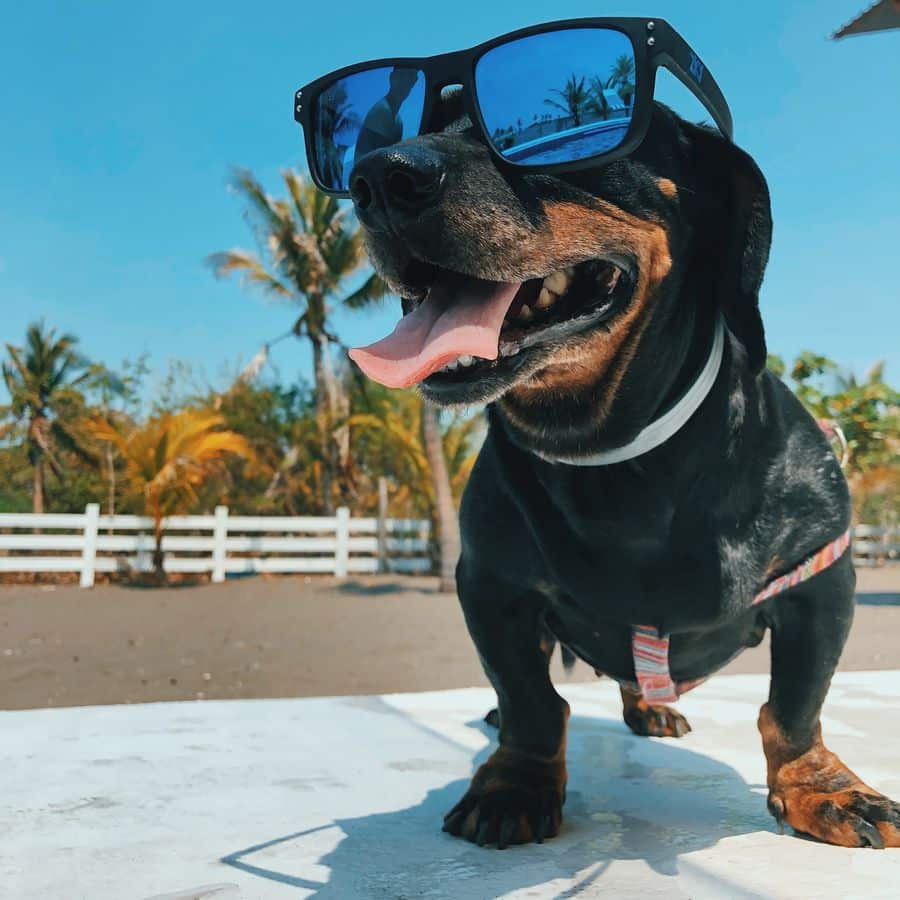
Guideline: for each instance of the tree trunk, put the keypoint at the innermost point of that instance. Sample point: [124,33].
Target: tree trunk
[448,523]
[111,469]
[323,422]
[37,441]
[158,558]
[37,504]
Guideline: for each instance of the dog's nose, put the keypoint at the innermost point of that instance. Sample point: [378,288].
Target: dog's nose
[397,181]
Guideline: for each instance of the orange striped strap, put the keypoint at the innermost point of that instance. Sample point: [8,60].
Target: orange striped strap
[650,650]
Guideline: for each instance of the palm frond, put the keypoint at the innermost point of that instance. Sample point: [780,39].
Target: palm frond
[371,290]
[261,204]
[251,269]
[549,101]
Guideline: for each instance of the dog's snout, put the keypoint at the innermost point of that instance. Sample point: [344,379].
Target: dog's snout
[397,181]
[361,193]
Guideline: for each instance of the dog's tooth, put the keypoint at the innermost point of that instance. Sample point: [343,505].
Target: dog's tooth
[526,314]
[546,299]
[466,360]
[557,282]
[609,278]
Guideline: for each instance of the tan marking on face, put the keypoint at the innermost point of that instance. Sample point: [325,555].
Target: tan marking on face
[575,232]
[667,187]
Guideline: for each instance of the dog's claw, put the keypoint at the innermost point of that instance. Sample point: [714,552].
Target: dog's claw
[454,819]
[776,808]
[510,801]
[455,809]
[507,830]
[869,834]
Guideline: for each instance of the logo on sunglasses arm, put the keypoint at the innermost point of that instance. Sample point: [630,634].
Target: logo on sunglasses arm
[697,68]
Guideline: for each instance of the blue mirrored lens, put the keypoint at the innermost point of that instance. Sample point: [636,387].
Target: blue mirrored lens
[559,96]
[361,113]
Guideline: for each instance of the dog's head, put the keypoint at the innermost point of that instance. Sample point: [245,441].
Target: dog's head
[534,288]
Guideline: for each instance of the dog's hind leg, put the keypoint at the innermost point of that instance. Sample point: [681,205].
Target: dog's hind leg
[651,720]
[810,788]
[517,795]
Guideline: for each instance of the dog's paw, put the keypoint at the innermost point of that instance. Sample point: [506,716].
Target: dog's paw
[511,800]
[649,720]
[818,795]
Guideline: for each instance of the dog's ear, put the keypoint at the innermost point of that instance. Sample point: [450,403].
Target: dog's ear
[735,231]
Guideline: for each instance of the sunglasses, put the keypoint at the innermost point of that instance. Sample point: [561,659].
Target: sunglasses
[551,98]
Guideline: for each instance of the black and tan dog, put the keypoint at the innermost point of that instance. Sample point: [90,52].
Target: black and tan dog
[618,278]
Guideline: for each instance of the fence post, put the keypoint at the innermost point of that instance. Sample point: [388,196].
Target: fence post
[382,524]
[89,549]
[220,533]
[342,546]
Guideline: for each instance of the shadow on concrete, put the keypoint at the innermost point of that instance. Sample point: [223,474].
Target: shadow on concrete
[629,798]
[390,587]
[876,599]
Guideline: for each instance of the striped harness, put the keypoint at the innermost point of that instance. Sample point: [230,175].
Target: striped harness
[650,649]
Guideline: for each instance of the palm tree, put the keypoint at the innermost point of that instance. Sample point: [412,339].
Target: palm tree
[622,71]
[310,247]
[868,413]
[109,386]
[38,378]
[402,434]
[574,98]
[168,458]
[597,102]
[448,523]
[622,77]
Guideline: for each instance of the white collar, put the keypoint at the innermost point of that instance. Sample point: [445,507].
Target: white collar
[661,429]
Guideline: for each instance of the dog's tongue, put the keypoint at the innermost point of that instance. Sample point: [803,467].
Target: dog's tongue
[461,315]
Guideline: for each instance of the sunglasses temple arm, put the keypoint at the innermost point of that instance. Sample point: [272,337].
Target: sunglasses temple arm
[675,54]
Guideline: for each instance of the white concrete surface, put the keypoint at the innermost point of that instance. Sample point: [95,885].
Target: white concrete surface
[343,799]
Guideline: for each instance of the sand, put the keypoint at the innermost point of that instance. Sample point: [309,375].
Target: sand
[289,637]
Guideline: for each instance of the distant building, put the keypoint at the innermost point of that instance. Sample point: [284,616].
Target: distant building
[881,16]
[613,99]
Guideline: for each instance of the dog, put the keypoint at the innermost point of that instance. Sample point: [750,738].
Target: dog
[659,568]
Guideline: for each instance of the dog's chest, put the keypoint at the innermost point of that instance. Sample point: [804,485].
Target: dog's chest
[630,558]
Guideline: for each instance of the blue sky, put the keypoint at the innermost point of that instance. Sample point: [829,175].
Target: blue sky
[120,123]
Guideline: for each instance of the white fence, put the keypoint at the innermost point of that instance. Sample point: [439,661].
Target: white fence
[221,544]
[874,545]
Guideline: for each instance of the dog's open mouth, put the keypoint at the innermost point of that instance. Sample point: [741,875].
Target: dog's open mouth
[464,326]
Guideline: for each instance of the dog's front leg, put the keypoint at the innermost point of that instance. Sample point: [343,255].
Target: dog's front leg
[517,795]
[810,788]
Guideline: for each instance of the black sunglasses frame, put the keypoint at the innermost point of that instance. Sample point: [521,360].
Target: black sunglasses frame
[654,41]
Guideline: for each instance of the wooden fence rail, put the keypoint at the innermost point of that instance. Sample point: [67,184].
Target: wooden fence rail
[874,545]
[220,544]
